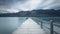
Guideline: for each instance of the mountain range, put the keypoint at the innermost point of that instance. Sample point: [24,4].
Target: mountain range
[33,13]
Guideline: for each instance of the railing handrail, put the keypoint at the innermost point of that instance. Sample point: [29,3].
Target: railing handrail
[49,29]
[51,26]
[56,24]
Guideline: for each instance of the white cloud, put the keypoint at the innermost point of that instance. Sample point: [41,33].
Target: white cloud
[26,6]
[49,3]
[29,5]
[12,10]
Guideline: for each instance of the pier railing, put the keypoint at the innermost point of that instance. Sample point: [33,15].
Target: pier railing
[53,28]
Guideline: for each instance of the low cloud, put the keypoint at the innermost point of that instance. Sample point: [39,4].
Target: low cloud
[28,5]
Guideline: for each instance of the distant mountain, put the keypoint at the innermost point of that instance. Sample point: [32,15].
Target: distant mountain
[33,13]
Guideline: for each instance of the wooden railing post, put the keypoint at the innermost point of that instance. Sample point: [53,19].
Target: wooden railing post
[41,24]
[51,26]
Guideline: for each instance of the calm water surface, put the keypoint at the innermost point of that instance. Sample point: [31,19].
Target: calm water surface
[9,24]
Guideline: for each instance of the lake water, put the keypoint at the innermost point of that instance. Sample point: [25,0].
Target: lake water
[9,24]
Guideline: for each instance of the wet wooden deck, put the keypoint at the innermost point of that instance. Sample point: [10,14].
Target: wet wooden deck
[29,27]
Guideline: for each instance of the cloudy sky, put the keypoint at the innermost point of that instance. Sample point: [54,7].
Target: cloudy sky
[27,5]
